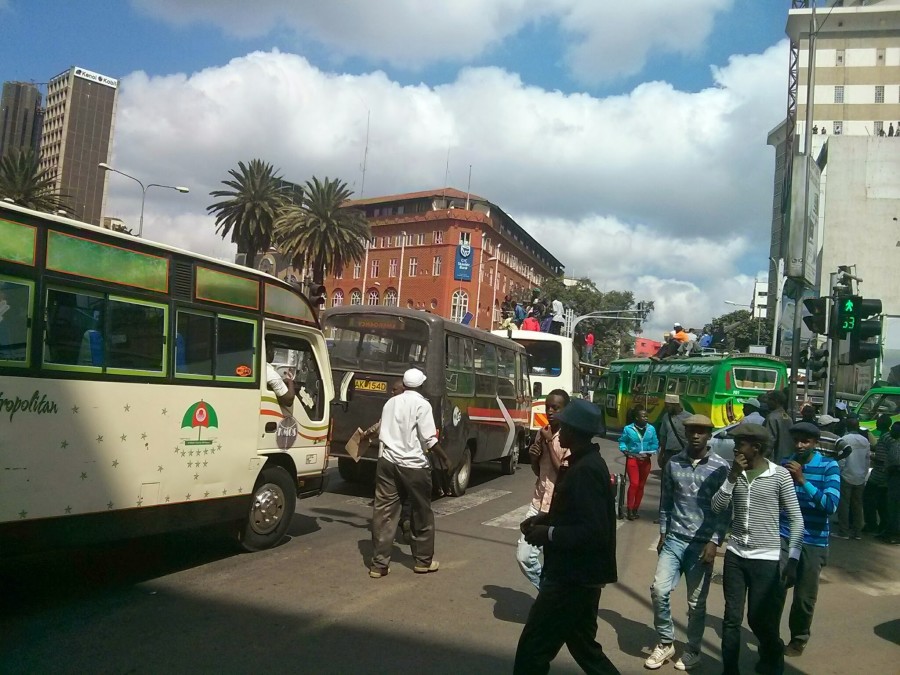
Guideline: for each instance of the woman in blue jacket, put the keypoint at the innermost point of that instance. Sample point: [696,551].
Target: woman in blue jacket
[639,443]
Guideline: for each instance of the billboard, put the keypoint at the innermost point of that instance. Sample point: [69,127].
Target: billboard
[462,268]
[801,256]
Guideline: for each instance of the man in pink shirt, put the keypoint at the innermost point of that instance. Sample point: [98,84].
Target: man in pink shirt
[546,459]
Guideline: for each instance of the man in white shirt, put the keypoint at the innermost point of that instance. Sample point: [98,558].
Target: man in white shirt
[404,470]
[556,308]
[854,471]
[282,387]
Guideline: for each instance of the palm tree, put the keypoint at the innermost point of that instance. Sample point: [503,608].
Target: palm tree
[322,229]
[22,181]
[249,208]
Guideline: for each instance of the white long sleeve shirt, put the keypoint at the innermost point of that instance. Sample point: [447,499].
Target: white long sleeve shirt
[407,426]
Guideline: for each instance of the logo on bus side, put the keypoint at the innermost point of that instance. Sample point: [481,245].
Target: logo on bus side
[200,415]
[38,404]
[370,385]
[286,433]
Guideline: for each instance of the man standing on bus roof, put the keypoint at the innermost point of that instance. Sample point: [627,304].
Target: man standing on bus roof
[689,534]
[282,387]
[588,346]
[556,308]
[407,422]
[547,458]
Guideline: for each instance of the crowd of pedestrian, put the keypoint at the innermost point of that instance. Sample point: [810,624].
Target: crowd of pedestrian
[540,314]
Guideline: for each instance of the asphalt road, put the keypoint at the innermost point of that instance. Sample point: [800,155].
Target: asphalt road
[190,603]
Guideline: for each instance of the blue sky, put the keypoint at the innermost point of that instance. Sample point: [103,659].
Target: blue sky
[639,127]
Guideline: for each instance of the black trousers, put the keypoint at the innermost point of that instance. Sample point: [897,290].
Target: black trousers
[758,584]
[875,507]
[393,484]
[806,590]
[562,615]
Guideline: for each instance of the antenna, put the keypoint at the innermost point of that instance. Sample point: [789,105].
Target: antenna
[469,187]
[446,172]
[362,189]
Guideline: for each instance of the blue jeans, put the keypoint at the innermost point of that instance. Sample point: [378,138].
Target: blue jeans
[679,557]
[528,556]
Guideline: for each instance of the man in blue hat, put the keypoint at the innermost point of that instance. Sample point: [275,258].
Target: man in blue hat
[579,539]
[817,481]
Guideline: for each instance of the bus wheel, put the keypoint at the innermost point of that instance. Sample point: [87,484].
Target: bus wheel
[274,500]
[459,481]
[510,463]
[348,469]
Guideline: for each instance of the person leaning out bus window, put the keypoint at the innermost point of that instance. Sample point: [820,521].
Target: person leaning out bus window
[639,443]
[282,387]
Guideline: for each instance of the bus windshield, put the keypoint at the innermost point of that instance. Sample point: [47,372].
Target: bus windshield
[544,357]
[878,404]
[376,343]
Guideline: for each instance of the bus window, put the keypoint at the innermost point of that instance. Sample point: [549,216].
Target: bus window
[459,376]
[506,373]
[194,344]
[657,384]
[762,379]
[639,384]
[293,356]
[73,335]
[15,315]
[676,385]
[522,373]
[383,344]
[545,357]
[485,369]
[234,346]
[698,386]
[136,336]
[878,404]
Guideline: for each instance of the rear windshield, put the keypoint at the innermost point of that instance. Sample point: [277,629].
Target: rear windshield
[755,378]
[377,344]
[545,358]
[878,404]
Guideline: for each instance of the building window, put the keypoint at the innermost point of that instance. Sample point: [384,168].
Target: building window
[337,299]
[879,56]
[373,297]
[839,93]
[465,238]
[420,238]
[839,57]
[879,93]
[380,242]
[438,237]
[413,266]
[376,266]
[390,298]
[400,210]
[879,128]
[459,305]
[436,266]
[340,274]
[838,128]
[392,267]
[355,297]
[357,270]
[409,240]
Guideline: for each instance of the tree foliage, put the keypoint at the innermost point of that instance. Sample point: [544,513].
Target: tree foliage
[322,230]
[247,210]
[740,330]
[613,338]
[22,181]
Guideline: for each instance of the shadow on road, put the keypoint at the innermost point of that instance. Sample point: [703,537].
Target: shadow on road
[509,605]
[889,630]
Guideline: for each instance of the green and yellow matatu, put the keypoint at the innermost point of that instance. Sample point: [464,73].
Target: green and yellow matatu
[714,385]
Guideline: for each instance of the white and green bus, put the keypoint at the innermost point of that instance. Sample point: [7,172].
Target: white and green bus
[133,395]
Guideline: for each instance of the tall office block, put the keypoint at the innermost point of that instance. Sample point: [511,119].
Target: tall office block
[77,136]
[20,117]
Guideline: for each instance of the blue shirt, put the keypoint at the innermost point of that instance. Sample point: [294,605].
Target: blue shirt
[632,442]
[818,498]
[685,509]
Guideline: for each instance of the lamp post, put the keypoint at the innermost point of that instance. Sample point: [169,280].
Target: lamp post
[484,242]
[494,298]
[144,188]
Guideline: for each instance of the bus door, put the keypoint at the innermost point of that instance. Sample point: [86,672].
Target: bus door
[301,428]
[459,385]
[491,429]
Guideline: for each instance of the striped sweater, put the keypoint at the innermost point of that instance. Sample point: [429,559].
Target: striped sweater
[818,498]
[756,508]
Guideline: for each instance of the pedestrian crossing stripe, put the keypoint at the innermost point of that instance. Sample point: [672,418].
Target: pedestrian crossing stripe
[447,507]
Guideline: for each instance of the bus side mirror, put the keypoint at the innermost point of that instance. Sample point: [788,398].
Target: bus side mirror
[537,389]
[345,392]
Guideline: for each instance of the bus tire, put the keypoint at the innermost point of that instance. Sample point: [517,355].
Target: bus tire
[348,469]
[271,510]
[459,481]
[510,463]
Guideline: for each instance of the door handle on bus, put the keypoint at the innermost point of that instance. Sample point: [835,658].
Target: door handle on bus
[270,427]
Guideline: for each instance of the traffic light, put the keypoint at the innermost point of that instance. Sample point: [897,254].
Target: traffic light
[817,321]
[846,318]
[316,295]
[817,364]
[865,329]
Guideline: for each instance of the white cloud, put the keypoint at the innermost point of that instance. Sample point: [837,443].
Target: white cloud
[603,39]
[662,191]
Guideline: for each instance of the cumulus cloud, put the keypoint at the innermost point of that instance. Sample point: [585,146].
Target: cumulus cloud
[603,39]
[656,184]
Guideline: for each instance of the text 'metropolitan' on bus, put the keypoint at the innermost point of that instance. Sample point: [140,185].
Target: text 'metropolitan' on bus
[715,385]
[133,396]
[477,384]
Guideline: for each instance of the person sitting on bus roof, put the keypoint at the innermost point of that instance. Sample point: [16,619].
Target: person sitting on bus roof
[282,387]
[679,333]
[531,323]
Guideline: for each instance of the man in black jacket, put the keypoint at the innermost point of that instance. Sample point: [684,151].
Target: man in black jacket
[579,539]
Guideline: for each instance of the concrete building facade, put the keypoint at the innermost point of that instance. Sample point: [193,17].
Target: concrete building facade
[77,135]
[443,251]
[20,117]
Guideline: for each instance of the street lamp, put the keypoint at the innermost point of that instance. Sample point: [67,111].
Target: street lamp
[494,298]
[144,188]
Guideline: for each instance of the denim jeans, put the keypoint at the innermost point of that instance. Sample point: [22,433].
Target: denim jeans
[528,556]
[679,557]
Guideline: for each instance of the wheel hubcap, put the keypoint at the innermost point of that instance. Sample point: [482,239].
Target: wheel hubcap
[267,509]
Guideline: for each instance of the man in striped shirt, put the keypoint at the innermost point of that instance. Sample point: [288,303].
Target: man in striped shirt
[758,491]
[817,481]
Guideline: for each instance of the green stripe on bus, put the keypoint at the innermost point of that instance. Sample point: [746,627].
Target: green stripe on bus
[95,260]
[227,289]
[17,242]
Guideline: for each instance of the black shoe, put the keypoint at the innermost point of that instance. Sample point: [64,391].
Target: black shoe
[794,648]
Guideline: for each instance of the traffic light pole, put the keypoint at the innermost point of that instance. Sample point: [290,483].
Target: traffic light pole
[834,344]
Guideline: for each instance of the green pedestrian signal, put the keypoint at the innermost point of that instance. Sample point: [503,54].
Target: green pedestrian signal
[847,316]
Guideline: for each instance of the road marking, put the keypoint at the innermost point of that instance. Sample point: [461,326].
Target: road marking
[511,520]
[449,505]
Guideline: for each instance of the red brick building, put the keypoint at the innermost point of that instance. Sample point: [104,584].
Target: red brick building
[444,251]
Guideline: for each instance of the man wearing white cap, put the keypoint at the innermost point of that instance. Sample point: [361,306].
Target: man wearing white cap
[407,423]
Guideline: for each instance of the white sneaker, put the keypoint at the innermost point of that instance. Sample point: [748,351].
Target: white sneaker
[687,661]
[660,655]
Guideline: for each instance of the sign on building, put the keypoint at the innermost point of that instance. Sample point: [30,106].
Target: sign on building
[462,269]
[801,257]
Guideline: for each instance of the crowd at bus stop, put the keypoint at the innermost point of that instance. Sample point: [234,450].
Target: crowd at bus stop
[771,508]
